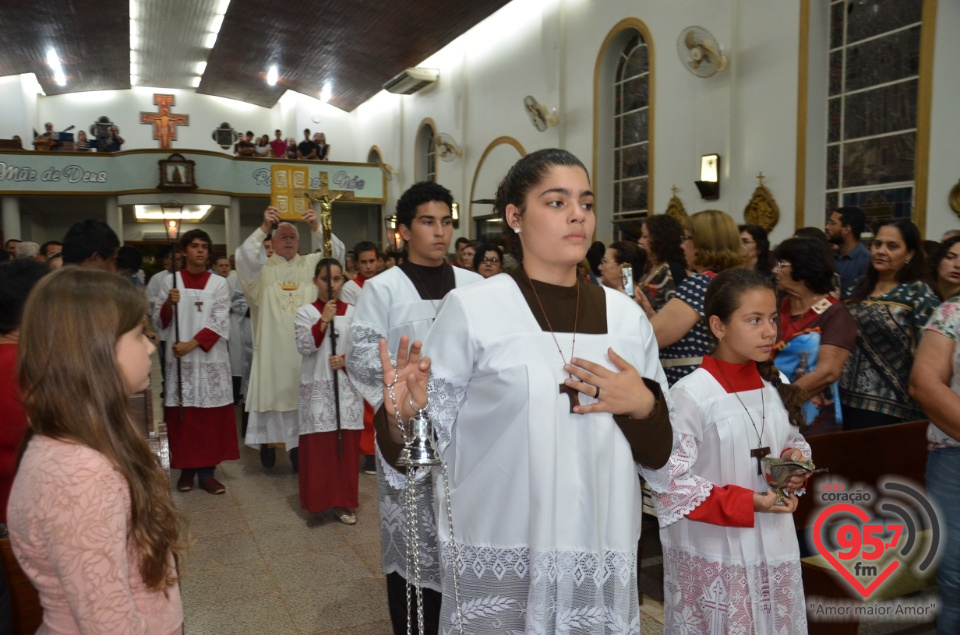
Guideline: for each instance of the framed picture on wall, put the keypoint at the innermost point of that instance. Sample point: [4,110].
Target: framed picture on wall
[176,173]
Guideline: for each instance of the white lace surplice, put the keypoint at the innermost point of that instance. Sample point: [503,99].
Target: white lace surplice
[204,376]
[546,504]
[390,307]
[727,579]
[317,398]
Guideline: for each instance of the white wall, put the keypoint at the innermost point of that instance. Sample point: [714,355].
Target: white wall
[548,49]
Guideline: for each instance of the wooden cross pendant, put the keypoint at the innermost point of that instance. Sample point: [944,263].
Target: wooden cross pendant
[199,306]
[758,454]
[572,394]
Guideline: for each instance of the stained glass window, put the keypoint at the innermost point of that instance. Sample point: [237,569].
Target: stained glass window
[631,144]
[874,62]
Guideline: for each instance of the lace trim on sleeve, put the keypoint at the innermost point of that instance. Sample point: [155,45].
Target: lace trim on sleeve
[363,362]
[304,336]
[686,490]
[445,400]
[219,320]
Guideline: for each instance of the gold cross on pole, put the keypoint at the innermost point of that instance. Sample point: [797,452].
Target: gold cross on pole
[326,197]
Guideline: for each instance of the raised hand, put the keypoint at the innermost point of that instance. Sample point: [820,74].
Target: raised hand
[310,218]
[271,218]
[407,381]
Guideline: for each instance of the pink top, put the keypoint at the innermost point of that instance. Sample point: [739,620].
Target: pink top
[69,521]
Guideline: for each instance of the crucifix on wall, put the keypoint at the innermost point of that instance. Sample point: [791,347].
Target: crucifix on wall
[164,122]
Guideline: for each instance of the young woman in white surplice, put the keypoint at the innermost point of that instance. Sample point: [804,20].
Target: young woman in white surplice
[545,496]
[730,556]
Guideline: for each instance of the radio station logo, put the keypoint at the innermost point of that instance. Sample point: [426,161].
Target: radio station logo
[870,544]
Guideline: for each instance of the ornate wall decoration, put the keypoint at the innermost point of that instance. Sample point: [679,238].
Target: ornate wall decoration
[675,207]
[955,198]
[762,209]
[164,122]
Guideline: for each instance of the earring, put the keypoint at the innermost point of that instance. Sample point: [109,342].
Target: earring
[517,229]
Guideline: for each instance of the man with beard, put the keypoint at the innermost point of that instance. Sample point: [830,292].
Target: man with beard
[851,258]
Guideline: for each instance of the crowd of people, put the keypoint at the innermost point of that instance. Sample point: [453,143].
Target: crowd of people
[553,371]
[313,148]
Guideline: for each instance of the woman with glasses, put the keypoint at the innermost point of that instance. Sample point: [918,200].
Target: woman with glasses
[756,245]
[489,260]
[662,238]
[817,332]
[681,333]
[891,305]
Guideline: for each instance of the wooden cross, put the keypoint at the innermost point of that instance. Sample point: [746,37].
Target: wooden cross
[675,190]
[199,306]
[571,393]
[758,454]
[326,197]
[761,177]
[164,122]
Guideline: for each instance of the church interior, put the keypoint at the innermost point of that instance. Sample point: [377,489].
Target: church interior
[775,112]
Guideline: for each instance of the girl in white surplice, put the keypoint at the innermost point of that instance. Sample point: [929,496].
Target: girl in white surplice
[547,397]
[730,555]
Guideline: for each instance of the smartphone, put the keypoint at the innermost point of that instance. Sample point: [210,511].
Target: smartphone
[626,275]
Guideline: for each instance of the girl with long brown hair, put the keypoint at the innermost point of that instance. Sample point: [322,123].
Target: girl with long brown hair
[90,515]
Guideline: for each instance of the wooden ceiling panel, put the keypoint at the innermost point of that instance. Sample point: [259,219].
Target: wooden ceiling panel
[356,46]
[90,37]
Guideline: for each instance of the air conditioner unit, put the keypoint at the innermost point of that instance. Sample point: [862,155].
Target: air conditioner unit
[412,80]
[154,236]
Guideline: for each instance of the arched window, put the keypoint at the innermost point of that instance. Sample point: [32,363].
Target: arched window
[623,107]
[426,151]
[872,123]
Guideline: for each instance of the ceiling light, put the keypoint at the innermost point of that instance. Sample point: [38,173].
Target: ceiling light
[54,61]
[326,93]
[134,80]
[155,212]
[134,68]
[195,82]
[201,67]
[217,23]
[134,38]
[272,75]
[134,10]
[211,40]
[222,6]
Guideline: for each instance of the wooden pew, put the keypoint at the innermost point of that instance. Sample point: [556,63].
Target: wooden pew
[862,456]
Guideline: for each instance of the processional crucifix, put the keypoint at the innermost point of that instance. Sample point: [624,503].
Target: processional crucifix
[326,197]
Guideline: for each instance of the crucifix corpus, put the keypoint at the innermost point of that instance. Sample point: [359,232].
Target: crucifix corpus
[326,197]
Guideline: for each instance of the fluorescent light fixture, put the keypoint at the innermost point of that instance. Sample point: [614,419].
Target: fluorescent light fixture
[210,41]
[134,37]
[272,75]
[155,212]
[222,6]
[195,82]
[326,93]
[134,10]
[217,23]
[134,80]
[201,67]
[134,68]
[53,61]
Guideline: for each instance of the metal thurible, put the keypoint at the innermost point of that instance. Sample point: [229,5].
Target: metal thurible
[418,449]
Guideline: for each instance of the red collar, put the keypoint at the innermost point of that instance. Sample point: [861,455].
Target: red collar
[733,377]
[359,279]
